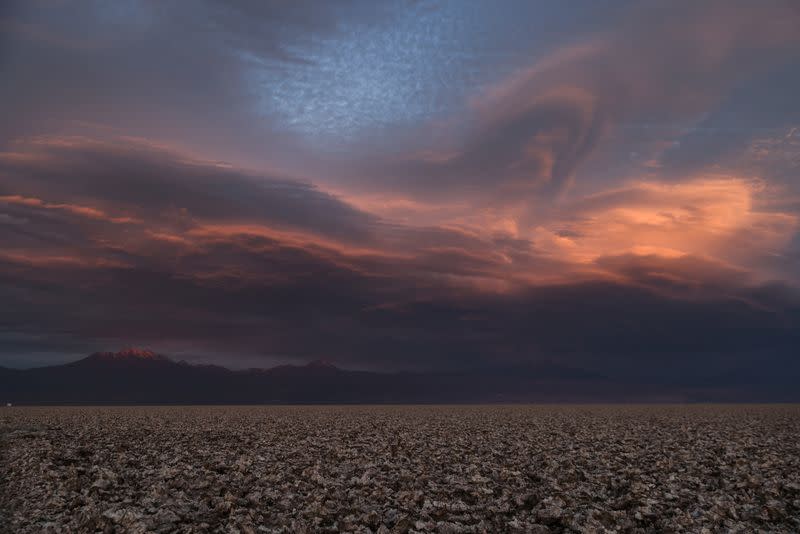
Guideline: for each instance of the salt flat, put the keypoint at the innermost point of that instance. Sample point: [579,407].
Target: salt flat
[401,469]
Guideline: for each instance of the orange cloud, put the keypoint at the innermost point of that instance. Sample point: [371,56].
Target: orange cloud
[43,259]
[709,216]
[499,246]
[82,211]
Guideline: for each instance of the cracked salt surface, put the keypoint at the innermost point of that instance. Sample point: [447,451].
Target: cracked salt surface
[401,469]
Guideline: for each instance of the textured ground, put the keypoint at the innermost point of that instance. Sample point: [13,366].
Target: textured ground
[401,469]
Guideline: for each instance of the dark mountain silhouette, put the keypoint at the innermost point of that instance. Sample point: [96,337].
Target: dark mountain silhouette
[141,376]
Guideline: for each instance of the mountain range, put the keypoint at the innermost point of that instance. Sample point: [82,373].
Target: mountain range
[135,376]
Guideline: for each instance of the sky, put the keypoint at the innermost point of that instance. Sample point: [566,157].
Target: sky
[406,185]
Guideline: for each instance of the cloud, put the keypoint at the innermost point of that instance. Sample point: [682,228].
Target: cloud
[126,243]
[716,216]
[730,219]
[528,135]
[138,180]
[506,239]
[174,71]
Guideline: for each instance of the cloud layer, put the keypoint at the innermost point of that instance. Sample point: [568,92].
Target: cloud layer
[113,243]
[607,199]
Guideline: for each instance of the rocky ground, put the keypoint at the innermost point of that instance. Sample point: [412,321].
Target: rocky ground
[401,469]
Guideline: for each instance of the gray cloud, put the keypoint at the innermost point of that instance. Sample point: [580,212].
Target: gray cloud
[137,180]
[666,62]
[172,71]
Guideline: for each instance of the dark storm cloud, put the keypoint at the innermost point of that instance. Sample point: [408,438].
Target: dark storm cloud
[621,329]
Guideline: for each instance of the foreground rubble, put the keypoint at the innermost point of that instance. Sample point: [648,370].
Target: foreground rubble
[401,469]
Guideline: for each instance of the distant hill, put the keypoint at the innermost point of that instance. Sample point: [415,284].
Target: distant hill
[144,377]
